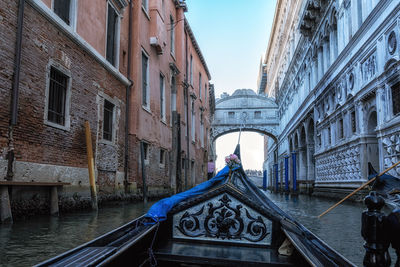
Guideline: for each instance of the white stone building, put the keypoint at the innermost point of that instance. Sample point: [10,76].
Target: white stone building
[334,69]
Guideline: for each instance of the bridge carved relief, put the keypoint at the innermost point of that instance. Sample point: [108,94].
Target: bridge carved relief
[245,110]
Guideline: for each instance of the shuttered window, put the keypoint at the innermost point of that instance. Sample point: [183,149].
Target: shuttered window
[62,9]
[145,65]
[112,23]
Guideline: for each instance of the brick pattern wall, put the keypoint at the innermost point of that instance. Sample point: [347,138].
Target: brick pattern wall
[43,43]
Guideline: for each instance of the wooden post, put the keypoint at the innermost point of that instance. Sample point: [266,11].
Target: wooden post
[89,150]
[5,207]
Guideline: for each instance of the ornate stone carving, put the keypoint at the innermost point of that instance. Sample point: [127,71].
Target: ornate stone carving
[392,43]
[222,218]
[339,165]
[368,68]
[391,146]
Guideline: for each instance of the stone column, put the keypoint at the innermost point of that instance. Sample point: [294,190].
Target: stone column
[380,105]
[5,207]
[303,163]
[54,201]
[310,162]
[360,118]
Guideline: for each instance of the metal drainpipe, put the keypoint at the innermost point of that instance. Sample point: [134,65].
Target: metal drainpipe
[187,112]
[127,104]
[15,90]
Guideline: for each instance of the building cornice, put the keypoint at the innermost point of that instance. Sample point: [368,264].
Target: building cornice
[197,47]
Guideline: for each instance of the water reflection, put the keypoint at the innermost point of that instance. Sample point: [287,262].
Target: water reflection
[340,228]
[28,242]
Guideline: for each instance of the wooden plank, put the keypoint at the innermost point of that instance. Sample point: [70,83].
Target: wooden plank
[20,183]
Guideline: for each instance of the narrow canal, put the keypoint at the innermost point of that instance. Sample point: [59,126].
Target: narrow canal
[31,241]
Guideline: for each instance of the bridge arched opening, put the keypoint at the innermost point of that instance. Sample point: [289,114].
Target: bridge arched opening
[252,145]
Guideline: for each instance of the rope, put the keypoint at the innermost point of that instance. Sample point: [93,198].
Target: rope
[152,258]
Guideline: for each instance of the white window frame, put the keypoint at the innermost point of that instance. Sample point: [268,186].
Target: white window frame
[191,69]
[116,110]
[67,119]
[117,34]
[200,85]
[147,106]
[162,164]
[162,99]
[73,11]
[193,121]
[146,6]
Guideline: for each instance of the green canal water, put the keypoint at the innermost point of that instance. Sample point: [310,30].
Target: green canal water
[28,242]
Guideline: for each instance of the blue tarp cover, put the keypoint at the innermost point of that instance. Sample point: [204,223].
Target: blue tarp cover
[158,212]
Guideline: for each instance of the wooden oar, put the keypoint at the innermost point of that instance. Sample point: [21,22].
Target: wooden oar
[358,189]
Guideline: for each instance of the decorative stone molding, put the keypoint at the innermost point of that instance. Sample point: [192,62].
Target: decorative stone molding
[391,148]
[392,43]
[339,165]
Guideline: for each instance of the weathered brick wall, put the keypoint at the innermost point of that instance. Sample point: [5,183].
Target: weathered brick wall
[35,141]
[157,177]
[8,28]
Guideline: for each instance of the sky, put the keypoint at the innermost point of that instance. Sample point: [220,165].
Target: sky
[233,37]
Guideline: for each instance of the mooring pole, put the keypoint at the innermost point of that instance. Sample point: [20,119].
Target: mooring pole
[276,178]
[294,172]
[92,180]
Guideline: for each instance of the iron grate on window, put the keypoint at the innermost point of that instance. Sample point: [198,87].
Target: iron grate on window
[396,98]
[108,120]
[57,93]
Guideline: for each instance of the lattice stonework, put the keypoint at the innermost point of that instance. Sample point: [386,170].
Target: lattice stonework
[343,165]
[222,219]
[391,147]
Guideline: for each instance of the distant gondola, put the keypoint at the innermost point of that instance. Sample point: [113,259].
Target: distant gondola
[221,222]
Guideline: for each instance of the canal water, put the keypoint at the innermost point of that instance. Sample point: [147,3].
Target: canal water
[31,241]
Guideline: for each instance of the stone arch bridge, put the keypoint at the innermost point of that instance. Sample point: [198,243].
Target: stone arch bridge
[247,110]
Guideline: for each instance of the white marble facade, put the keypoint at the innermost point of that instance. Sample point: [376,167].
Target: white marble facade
[334,69]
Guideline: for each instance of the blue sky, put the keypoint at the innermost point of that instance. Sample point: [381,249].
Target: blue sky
[233,36]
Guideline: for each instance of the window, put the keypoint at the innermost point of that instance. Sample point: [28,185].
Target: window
[193,122]
[145,80]
[162,156]
[108,114]
[112,38]
[340,129]
[205,93]
[191,69]
[257,114]
[231,115]
[186,111]
[353,121]
[329,135]
[62,8]
[200,85]
[201,130]
[58,86]
[162,97]
[145,5]
[145,151]
[396,98]
[172,34]
[183,163]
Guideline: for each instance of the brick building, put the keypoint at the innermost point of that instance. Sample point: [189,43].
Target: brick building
[79,63]
[170,110]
